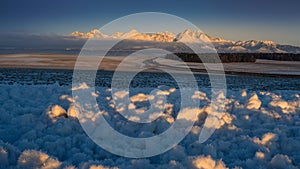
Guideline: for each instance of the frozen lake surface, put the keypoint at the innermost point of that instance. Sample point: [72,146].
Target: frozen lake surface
[260,127]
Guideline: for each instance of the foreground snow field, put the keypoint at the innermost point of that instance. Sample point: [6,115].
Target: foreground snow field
[39,129]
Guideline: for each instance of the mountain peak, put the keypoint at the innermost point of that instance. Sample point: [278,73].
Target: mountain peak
[130,34]
[268,42]
[95,33]
[254,43]
[189,35]
[167,33]
[133,31]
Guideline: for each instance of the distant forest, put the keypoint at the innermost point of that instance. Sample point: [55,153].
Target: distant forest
[235,57]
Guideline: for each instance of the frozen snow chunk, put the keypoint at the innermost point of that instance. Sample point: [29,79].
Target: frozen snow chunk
[82,86]
[36,159]
[66,97]
[266,139]
[223,117]
[199,95]
[57,111]
[207,162]
[244,93]
[286,107]
[3,156]
[260,155]
[72,112]
[221,96]
[141,97]
[11,152]
[227,118]
[280,161]
[101,167]
[253,102]
[282,104]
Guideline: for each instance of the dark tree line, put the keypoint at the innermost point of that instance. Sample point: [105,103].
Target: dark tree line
[279,56]
[234,57]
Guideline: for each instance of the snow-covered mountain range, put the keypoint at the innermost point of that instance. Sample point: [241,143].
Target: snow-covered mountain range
[195,36]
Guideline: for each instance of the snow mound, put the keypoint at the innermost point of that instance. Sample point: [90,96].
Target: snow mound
[206,162]
[260,155]
[101,167]
[284,106]
[253,102]
[280,161]
[266,139]
[57,111]
[244,93]
[36,159]
[72,112]
[3,156]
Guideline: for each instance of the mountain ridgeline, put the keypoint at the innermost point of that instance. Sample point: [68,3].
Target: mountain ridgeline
[227,50]
[171,41]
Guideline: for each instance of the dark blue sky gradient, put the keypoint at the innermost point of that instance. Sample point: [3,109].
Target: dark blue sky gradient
[230,19]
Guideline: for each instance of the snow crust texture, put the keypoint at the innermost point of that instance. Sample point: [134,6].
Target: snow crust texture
[39,129]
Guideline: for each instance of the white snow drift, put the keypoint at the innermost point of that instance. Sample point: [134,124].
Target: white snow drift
[39,129]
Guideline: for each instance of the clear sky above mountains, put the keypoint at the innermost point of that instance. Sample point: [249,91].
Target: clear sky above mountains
[231,19]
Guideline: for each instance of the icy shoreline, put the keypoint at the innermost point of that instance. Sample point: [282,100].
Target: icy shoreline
[145,79]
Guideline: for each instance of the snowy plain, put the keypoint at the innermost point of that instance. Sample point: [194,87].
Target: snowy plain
[38,127]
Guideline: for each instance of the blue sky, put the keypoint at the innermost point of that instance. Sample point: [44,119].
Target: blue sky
[230,19]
